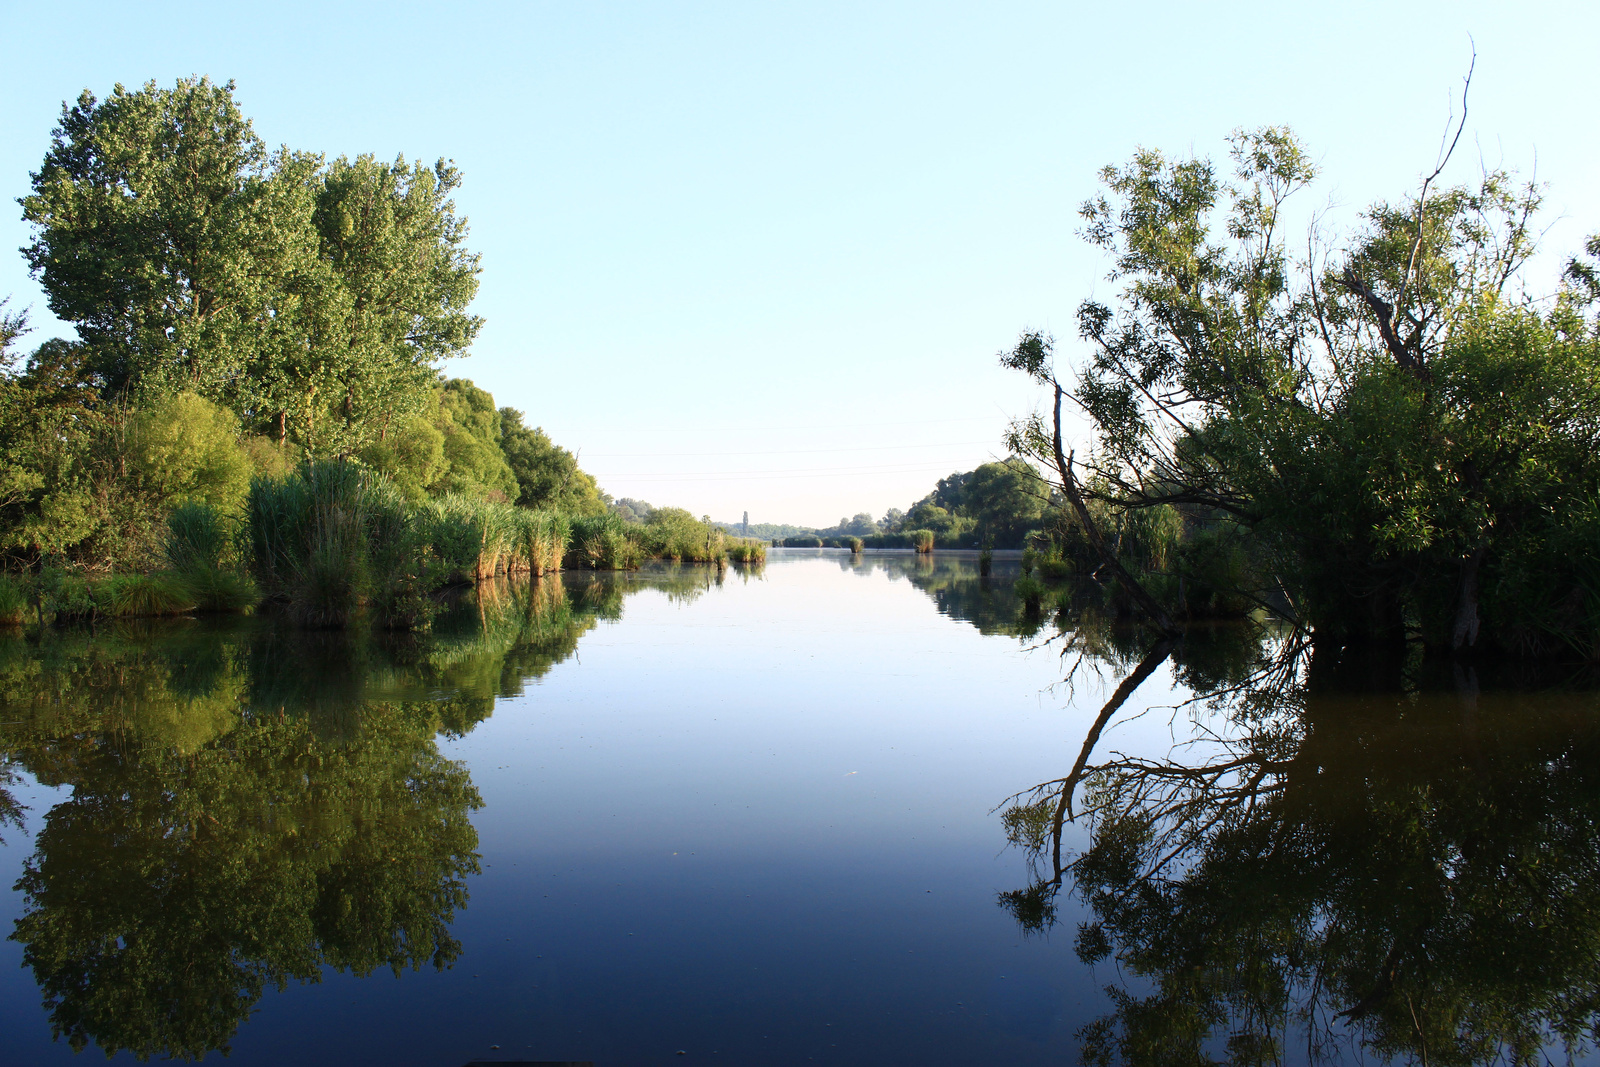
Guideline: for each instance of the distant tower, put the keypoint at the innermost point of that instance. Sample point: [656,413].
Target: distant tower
[745,526]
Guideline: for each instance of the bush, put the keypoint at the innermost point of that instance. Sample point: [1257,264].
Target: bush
[185,448]
[675,534]
[13,601]
[922,540]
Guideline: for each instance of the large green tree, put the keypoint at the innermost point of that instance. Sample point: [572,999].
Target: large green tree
[1412,441]
[548,476]
[161,235]
[314,298]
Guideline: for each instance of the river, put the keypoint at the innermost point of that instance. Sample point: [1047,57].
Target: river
[801,813]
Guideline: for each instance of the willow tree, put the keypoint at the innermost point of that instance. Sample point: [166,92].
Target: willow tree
[1410,439]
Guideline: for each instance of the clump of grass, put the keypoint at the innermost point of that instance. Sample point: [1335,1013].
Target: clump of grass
[142,595]
[985,562]
[1030,591]
[218,590]
[13,601]
[203,548]
[855,544]
[310,539]
[747,551]
[922,540]
[199,535]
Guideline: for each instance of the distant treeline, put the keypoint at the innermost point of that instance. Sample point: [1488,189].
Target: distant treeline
[998,505]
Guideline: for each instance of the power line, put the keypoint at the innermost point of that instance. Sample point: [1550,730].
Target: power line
[789,451]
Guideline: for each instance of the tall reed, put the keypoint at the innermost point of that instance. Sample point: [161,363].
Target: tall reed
[310,538]
[922,540]
[602,542]
[542,540]
[203,549]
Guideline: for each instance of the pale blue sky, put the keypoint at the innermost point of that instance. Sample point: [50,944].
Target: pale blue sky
[760,257]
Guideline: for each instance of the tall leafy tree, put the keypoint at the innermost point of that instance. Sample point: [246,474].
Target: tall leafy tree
[392,298]
[160,237]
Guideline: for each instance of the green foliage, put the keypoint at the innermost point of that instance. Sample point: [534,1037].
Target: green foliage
[548,476]
[388,303]
[13,600]
[474,464]
[1405,442]
[312,297]
[182,449]
[922,540]
[741,550]
[155,234]
[410,453]
[675,534]
[241,312]
[48,422]
[602,542]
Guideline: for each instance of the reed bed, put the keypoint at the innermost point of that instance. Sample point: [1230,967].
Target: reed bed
[922,540]
[327,542]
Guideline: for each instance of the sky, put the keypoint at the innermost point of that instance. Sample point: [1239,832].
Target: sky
[760,257]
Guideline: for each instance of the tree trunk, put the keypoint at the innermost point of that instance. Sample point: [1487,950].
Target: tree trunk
[1108,559]
[1465,635]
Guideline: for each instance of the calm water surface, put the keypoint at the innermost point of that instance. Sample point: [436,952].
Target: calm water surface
[783,816]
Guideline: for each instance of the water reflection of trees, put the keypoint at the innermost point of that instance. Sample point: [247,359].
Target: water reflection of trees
[957,589]
[252,805]
[1409,870]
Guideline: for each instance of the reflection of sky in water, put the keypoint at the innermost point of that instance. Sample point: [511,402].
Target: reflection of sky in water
[754,825]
